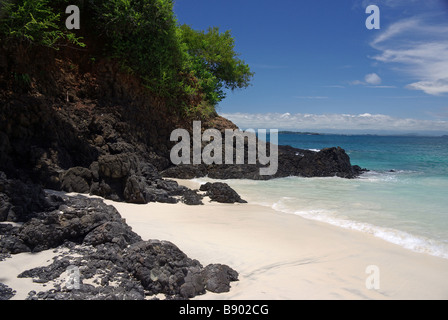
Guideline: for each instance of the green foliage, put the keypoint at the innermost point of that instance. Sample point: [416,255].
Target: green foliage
[216,51]
[35,22]
[143,36]
[213,59]
[175,62]
[189,69]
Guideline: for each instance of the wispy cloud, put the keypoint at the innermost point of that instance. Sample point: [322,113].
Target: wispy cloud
[334,122]
[418,48]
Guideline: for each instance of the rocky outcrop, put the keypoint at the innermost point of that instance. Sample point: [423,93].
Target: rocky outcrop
[122,177]
[162,268]
[90,129]
[291,161]
[20,201]
[192,198]
[221,192]
[93,237]
[218,277]
[328,162]
[65,153]
[70,154]
[6,292]
[76,219]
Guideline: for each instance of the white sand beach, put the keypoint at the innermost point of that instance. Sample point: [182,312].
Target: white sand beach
[278,256]
[281,256]
[18,263]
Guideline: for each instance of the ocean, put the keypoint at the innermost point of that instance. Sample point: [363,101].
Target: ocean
[403,199]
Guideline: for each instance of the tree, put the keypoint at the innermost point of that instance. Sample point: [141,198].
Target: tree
[143,35]
[213,60]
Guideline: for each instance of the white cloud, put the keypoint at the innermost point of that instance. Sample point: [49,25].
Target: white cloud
[396,29]
[334,122]
[435,87]
[372,78]
[420,50]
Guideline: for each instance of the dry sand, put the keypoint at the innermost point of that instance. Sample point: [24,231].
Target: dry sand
[278,256]
[10,268]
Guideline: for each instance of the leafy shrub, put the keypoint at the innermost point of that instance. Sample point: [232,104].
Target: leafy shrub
[189,69]
[35,22]
[143,36]
[213,59]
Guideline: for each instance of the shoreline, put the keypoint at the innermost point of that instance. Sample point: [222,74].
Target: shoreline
[278,256]
[281,256]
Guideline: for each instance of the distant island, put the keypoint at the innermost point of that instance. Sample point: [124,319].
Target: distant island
[385,134]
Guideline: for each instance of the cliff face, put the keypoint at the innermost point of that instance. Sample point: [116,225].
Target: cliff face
[75,110]
[83,126]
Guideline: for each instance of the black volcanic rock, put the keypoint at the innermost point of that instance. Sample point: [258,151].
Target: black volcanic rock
[291,162]
[325,163]
[91,236]
[6,292]
[123,177]
[162,268]
[191,197]
[115,232]
[134,191]
[218,277]
[221,192]
[20,201]
[116,166]
[79,219]
[186,171]
[77,179]
[12,244]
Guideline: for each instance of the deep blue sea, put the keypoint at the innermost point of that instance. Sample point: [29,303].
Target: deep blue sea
[403,199]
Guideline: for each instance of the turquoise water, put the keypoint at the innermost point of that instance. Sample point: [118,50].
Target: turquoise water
[403,199]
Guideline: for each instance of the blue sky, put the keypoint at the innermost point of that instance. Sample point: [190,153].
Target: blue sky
[317,67]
